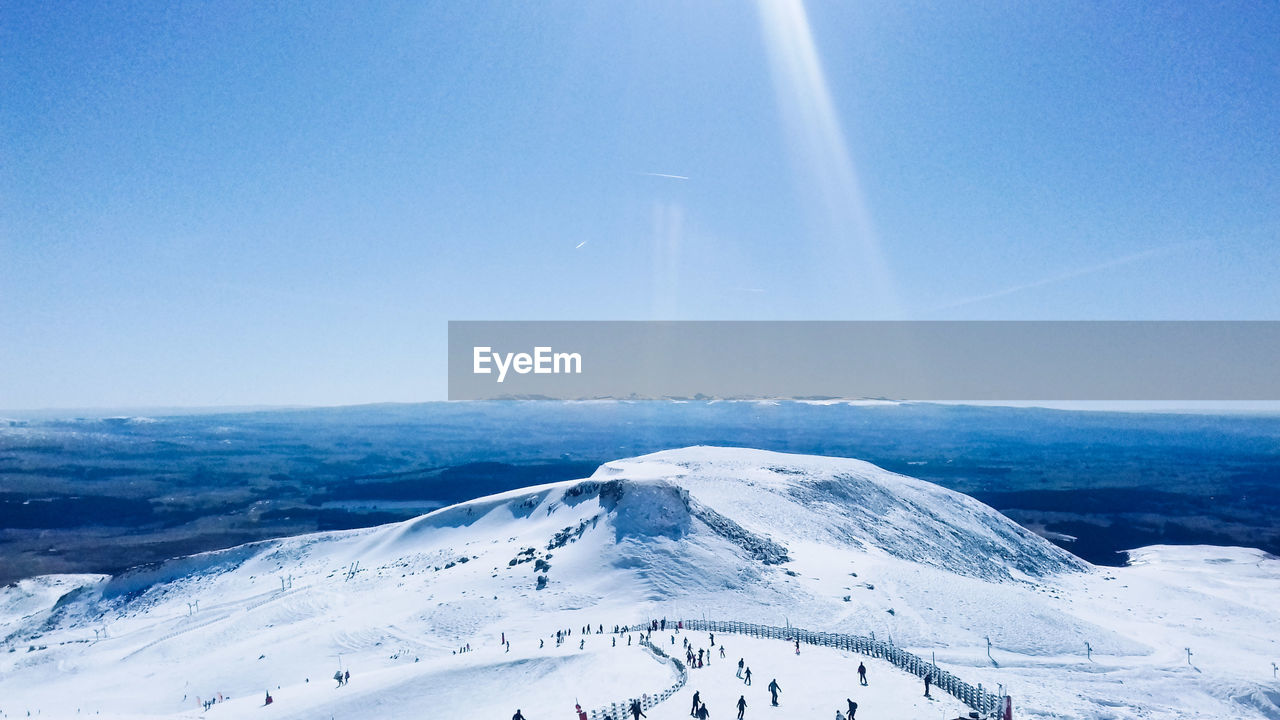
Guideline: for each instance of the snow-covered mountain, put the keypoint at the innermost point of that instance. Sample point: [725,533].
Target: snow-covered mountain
[731,534]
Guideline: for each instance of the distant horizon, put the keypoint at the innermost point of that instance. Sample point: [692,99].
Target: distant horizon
[1260,407]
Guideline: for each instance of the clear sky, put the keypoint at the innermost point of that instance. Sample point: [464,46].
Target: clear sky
[283,203]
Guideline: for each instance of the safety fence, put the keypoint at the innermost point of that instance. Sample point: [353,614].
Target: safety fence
[986,703]
[619,710]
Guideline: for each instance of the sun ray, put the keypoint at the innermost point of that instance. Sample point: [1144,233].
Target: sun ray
[822,156]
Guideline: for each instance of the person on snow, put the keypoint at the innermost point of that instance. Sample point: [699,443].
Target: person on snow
[742,706]
[703,712]
[839,715]
[697,700]
[853,707]
[346,677]
[740,664]
[269,699]
[747,678]
[862,674]
[713,639]
[721,651]
[797,646]
[636,711]
[928,680]
[582,714]
[774,689]
[518,716]
[582,643]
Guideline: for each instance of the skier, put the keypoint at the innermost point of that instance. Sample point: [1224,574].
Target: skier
[582,643]
[269,699]
[636,711]
[703,712]
[928,680]
[697,700]
[740,663]
[797,646]
[747,677]
[346,677]
[713,639]
[518,716]
[721,651]
[582,714]
[742,706]
[853,707]
[839,715]
[774,689]
[862,674]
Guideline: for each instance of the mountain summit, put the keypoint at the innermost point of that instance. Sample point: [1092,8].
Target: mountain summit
[421,611]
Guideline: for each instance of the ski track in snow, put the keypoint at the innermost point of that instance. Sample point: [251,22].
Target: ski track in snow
[726,534]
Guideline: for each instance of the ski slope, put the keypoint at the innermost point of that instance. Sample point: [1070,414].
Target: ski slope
[730,534]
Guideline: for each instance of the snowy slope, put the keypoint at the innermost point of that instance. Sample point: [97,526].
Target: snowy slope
[828,544]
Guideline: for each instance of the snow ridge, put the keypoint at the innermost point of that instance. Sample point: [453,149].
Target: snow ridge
[419,610]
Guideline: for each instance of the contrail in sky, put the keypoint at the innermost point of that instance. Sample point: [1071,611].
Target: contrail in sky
[665,175]
[579,245]
[1062,277]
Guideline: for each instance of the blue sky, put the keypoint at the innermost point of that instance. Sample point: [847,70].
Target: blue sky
[237,203]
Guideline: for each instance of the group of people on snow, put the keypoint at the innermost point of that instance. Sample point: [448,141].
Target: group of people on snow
[695,660]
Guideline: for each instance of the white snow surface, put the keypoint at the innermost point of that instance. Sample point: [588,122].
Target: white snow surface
[730,534]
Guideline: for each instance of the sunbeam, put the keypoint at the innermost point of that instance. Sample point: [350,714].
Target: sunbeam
[850,245]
